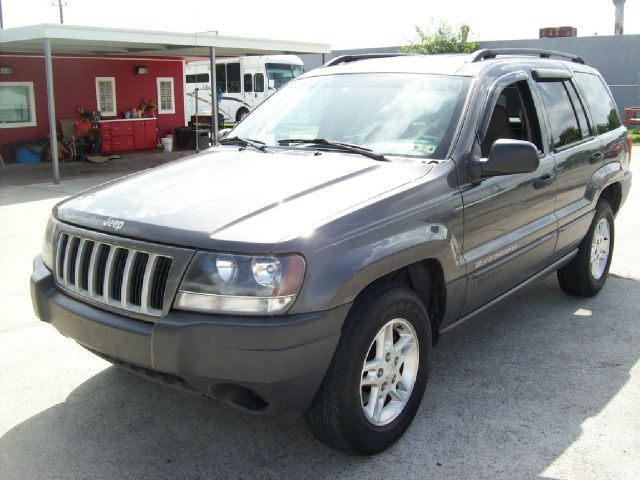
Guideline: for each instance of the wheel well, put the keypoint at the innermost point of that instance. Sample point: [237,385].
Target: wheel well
[426,278]
[240,111]
[613,195]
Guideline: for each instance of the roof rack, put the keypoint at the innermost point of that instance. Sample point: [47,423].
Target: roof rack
[361,56]
[487,53]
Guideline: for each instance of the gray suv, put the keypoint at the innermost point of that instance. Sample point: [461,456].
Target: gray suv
[311,261]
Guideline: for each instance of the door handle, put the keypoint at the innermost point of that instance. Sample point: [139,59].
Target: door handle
[544,181]
[596,157]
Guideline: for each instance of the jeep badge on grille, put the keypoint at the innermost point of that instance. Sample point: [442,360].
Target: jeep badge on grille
[113,223]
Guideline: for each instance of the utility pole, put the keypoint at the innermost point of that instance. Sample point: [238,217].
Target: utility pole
[1,22]
[59,5]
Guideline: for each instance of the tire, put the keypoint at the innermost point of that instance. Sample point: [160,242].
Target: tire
[578,277]
[338,415]
[242,113]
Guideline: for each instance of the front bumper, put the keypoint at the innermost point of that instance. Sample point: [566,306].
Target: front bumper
[260,364]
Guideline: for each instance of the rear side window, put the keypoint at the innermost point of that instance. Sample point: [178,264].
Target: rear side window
[565,128]
[578,109]
[601,105]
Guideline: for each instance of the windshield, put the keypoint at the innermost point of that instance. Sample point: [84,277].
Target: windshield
[390,114]
[282,73]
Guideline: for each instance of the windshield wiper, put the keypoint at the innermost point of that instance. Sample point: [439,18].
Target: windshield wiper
[245,142]
[347,147]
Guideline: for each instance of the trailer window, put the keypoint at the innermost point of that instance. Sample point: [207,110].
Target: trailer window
[198,78]
[282,73]
[248,84]
[221,78]
[233,78]
[258,80]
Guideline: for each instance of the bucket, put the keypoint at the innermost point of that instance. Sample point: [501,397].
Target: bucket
[167,143]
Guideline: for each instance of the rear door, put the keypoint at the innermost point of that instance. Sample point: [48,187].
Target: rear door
[577,151]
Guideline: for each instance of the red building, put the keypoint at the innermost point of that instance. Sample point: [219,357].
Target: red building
[92,83]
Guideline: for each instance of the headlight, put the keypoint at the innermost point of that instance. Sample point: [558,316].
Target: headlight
[240,284]
[47,244]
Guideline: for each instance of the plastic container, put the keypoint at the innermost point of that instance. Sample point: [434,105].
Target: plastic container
[167,144]
[24,155]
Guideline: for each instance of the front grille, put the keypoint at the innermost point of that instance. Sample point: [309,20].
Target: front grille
[112,275]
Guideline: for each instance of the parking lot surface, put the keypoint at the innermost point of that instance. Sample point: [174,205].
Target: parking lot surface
[541,386]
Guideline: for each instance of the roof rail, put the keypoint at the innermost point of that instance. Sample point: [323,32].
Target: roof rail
[486,53]
[360,56]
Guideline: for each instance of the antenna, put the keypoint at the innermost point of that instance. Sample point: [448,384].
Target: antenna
[60,5]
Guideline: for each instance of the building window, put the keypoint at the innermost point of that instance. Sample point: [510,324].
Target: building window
[106,96]
[166,101]
[17,105]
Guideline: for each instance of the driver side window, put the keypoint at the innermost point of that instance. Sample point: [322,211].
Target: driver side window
[513,117]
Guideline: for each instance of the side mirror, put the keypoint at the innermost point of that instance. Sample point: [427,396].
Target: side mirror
[506,157]
[272,84]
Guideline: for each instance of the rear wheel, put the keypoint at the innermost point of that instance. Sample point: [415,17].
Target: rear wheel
[378,374]
[587,273]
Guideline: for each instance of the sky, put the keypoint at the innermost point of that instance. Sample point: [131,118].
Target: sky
[343,24]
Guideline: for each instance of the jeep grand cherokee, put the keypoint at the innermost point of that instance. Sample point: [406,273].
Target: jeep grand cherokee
[310,262]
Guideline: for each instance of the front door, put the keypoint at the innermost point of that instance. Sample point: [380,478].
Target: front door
[509,221]
[258,88]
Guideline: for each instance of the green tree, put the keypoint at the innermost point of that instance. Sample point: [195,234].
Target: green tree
[441,38]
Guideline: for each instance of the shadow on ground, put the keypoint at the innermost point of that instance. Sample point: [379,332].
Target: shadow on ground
[23,183]
[508,394]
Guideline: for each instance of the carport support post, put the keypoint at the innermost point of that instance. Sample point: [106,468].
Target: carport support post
[53,136]
[214,96]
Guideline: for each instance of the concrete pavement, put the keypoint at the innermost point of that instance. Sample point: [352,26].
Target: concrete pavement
[541,386]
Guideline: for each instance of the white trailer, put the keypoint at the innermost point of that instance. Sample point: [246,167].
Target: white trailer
[243,82]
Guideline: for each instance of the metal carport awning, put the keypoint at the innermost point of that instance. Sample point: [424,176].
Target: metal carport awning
[83,40]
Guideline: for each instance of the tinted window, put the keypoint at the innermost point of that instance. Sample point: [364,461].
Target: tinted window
[258,80]
[198,78]
[233,77]
[578,108]
[221,78]
[564,124]
[603,109]
[248,84]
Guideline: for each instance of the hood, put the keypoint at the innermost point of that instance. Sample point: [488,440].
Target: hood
[226,195]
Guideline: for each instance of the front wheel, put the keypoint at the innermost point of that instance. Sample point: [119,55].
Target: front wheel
[587,273]
[378,374]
